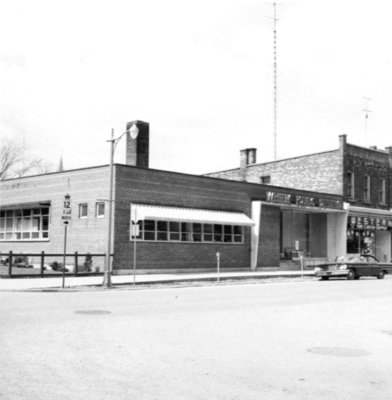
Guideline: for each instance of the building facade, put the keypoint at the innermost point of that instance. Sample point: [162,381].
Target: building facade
[362,176]
[170,221]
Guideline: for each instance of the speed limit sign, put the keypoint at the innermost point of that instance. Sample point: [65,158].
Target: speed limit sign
[67,210]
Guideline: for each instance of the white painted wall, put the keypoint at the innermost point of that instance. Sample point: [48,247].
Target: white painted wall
[256,214]
[336,234]
[383,246]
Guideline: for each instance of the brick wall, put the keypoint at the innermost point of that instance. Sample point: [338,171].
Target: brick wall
[320,172]
[84,186]
[374,163]
[269,237]
[147,186]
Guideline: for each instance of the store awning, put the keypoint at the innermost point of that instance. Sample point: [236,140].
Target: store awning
[354,210]
[177,214]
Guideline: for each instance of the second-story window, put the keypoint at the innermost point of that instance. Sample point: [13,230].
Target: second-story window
[382,191]
[366,189]
[350,185]
[266,179]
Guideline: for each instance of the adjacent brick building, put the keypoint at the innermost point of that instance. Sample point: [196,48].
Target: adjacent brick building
[362,176]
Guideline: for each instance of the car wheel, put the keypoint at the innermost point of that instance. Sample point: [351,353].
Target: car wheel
[351,274]
[324,278]
[381,275]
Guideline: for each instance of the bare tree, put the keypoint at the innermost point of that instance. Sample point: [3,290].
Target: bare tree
[14,162]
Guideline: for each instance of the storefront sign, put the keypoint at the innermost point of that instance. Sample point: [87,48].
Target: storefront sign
[304,201]
[370,223]
[282,198]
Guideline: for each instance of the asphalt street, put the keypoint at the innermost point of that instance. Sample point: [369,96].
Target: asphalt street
[299,339]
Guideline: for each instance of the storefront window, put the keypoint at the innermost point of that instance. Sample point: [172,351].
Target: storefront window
[24,224]
[361,241]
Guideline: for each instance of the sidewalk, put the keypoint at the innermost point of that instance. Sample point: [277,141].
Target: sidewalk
[122,281]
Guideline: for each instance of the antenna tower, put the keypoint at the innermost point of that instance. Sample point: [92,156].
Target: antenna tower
[275,87]
[275,83]
[366,111]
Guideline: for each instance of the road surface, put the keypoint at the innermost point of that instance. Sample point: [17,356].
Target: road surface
[276,340]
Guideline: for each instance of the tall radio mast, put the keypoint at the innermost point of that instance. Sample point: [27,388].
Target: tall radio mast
[275,82]
[366,111]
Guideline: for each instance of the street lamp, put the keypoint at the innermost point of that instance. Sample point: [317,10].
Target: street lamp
[134,131]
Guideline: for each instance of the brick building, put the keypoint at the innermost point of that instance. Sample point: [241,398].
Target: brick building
[362,176]
[180,221]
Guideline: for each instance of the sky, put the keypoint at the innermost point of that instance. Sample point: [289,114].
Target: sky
[200,72]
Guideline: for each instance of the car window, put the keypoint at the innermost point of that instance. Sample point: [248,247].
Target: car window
[371,259]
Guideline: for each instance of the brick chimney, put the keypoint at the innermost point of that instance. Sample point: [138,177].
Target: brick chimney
[247,157]
[389,151]
[137,149]
[342,142]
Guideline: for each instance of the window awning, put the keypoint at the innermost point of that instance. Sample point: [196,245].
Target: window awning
[35,204]
[177,214]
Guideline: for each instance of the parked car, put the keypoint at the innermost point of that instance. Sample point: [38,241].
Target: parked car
[353,266]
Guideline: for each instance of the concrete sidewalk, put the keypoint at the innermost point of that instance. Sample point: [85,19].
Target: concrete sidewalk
[121,281]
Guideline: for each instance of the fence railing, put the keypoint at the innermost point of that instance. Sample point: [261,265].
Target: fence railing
[13,264]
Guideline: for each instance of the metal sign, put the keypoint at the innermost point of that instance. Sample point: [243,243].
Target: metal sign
[67,210]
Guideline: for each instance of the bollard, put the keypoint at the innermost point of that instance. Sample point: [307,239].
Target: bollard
[42,263]
[76,263]
[10,264]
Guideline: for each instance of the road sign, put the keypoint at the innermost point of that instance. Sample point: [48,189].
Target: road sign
[135,230]
[67,210]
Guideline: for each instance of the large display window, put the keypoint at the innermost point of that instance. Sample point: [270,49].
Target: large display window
[24,224]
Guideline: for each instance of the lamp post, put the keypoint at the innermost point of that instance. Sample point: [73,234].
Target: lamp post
[107,280]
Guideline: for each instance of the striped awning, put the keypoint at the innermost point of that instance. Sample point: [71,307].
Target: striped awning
[177,214]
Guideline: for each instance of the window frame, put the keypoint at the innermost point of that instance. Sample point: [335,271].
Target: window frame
[189,232]
[264,178]
[81,207]
[350,185]
[25,224]
[382,191]
[366,189]
[98,204]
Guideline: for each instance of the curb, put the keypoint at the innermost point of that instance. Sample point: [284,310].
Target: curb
[183,282]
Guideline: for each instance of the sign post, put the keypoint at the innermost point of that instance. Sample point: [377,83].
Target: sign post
[66,217]
[135,233]
[218,265]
